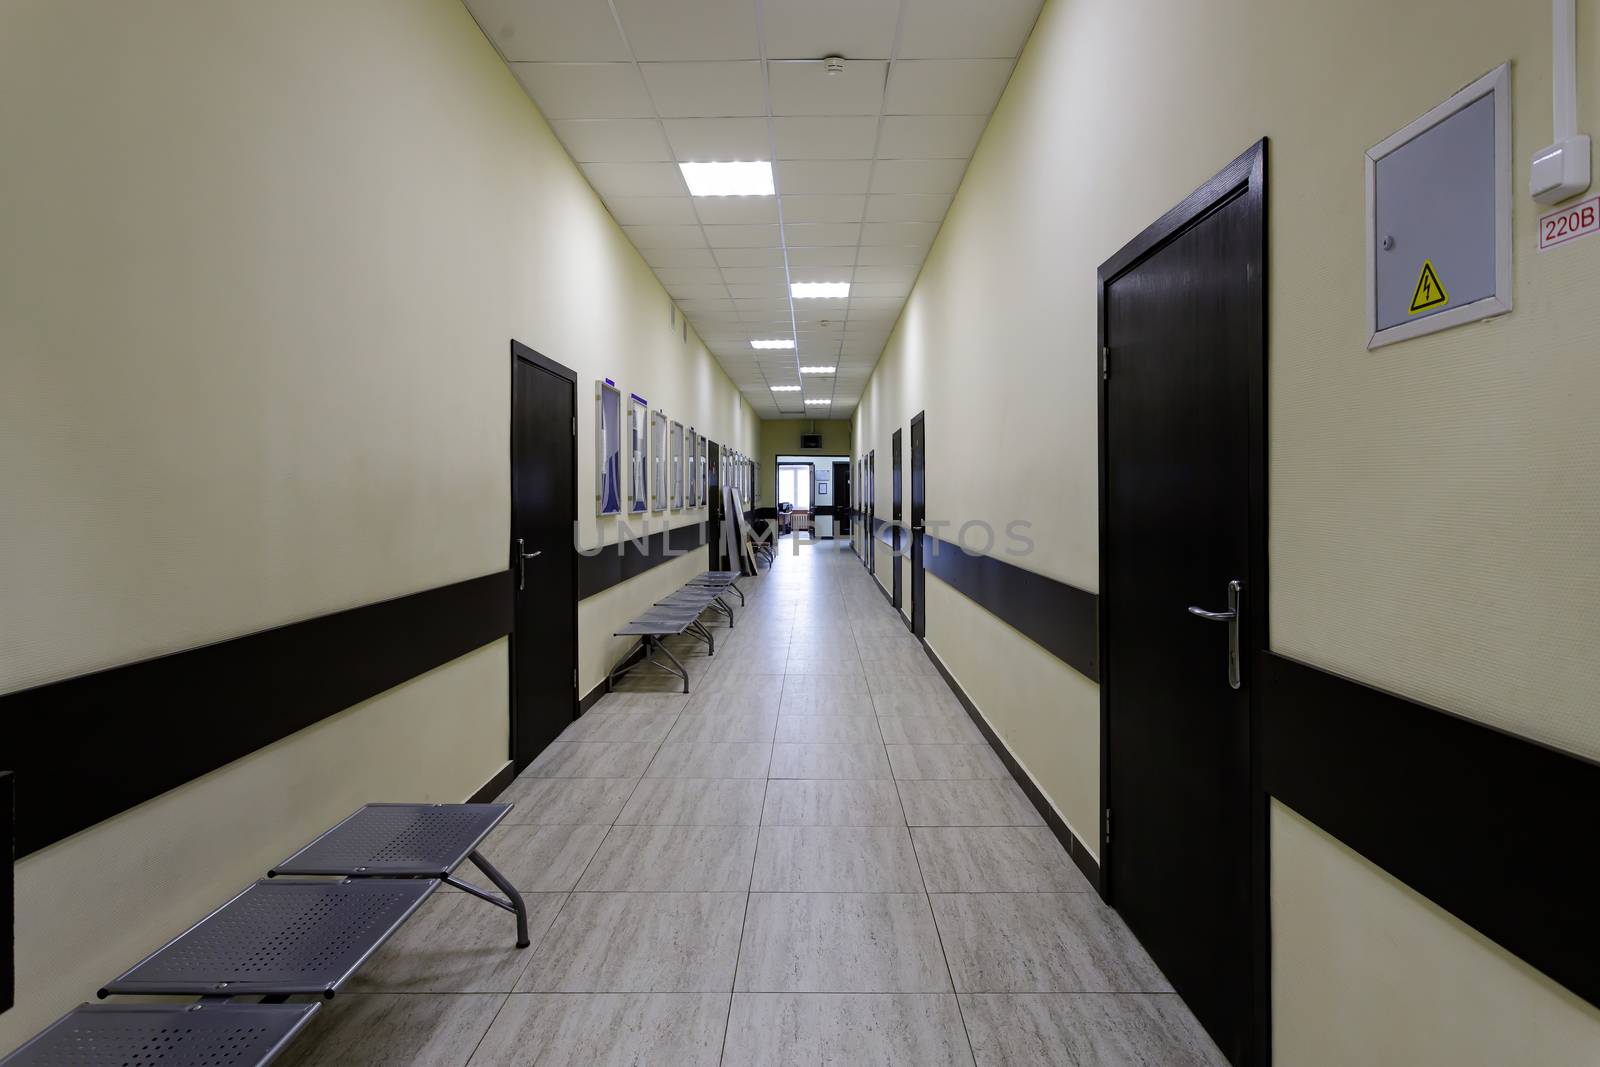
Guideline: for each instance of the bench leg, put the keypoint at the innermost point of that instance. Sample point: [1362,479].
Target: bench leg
[681,672]
[512,895]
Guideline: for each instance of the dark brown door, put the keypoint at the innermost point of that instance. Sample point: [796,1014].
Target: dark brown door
[919,509]
[719,559]
[841,498]
[1182,424]
[894,514]
[544,507]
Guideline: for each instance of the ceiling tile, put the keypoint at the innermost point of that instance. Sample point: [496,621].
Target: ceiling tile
[706,90]
[767,309]
[653,211]
[892,255]
[822,233]
[836,256]
[806,88]
[893,290]
[697,292]
[930,136]
[832,273]
[825,137]
[703,29]
[585,90]
[737,210]
[885,275]
[526,30]
[823,209]
[946,86]
[750,257]
[664,258]
[812,29]
[741,236]
[711,140]
[822,178]
[691,276]
[613,180]
[665,236]
[899,233]
[754,276]
[612,140]
[762,291]
[907,208]
[946,29]
[935,176]
[695,307]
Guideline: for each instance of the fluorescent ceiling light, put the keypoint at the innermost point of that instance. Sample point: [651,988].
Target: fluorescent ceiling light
[771,344]
[818,400]
[813,290]
[728,179]
[817,370]
[785,388]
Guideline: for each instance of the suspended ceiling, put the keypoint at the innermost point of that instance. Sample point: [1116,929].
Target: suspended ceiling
[865,161]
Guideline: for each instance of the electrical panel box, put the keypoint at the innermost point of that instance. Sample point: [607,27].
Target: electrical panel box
[1439,216]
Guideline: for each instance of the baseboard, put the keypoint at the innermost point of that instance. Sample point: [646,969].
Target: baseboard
[1058,826]
[496,785]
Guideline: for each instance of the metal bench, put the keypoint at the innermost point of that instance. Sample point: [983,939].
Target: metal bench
[279,938]
[650,628]
[700,598]
[412,841]
[172,1035]
[721,580]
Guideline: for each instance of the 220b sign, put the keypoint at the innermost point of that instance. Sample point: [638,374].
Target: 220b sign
[1570,223]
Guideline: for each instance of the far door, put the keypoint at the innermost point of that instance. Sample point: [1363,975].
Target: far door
[544,574]
[919,507]
[842,500]
[1183,588]
[894,514]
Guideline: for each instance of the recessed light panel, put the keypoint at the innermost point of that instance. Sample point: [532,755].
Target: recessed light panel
[785,388]
[817,370]
[728,179]
[817,400]
[772,344]
[816,290]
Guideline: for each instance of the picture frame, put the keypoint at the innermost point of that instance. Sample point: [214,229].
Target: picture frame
[658,461]
[701,473]
[676,471]
[822,488]
[608,448]
[638,454]
[691,491]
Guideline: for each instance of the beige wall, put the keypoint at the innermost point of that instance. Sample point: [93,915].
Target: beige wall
[781,437]
[1433,504]
[260,269]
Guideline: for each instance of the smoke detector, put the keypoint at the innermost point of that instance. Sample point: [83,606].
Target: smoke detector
[834,64]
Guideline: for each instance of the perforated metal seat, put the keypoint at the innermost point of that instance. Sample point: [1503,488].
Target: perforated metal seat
[278,938]
[147,1035]
[398,840]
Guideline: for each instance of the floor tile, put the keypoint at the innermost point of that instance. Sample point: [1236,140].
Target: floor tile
[539,859]
[829,761]
[736,701]
[456,943]
[620,724]
[724,726]
[378,1029]
[711,759]
[967,803]
[840,943]
[844,1029]
[1041,943]
[672,859]
[848,666]
[939,728]
[831,685]
[836,859]
[553,801]
[1078,1030]
[832,802]
[592,759]
[640,943]
[996,859]
[606,1030]
[832,729]
[753,687]
[654,702]
[695,802]
[946,762]
[813,704]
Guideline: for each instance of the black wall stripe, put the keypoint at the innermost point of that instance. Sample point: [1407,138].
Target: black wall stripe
[8,895]
[1494,828]
[90,747]
[615,564]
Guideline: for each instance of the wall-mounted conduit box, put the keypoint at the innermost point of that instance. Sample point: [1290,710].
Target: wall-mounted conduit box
[1439,216]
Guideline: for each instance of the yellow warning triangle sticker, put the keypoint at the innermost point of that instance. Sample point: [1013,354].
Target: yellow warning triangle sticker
[1429,293]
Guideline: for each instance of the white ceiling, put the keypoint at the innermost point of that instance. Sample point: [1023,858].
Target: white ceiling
[865,161]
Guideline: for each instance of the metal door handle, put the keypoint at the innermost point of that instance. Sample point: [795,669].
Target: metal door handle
[1231,617]
[523,556]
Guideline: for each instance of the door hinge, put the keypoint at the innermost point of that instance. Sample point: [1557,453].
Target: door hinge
[1105,364]
[1108,824]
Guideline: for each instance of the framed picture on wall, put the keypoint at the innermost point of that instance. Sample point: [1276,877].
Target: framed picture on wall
[822,488]
[676,474]
[638,454]
[658,461]
[701,470]
[608,449]
[691,484]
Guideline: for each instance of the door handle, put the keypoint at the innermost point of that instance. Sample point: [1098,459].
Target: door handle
[523,556]
[1231,617]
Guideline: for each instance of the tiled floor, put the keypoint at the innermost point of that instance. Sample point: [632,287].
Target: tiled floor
[811,859]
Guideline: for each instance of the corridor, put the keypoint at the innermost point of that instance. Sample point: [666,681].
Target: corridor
[812,858]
